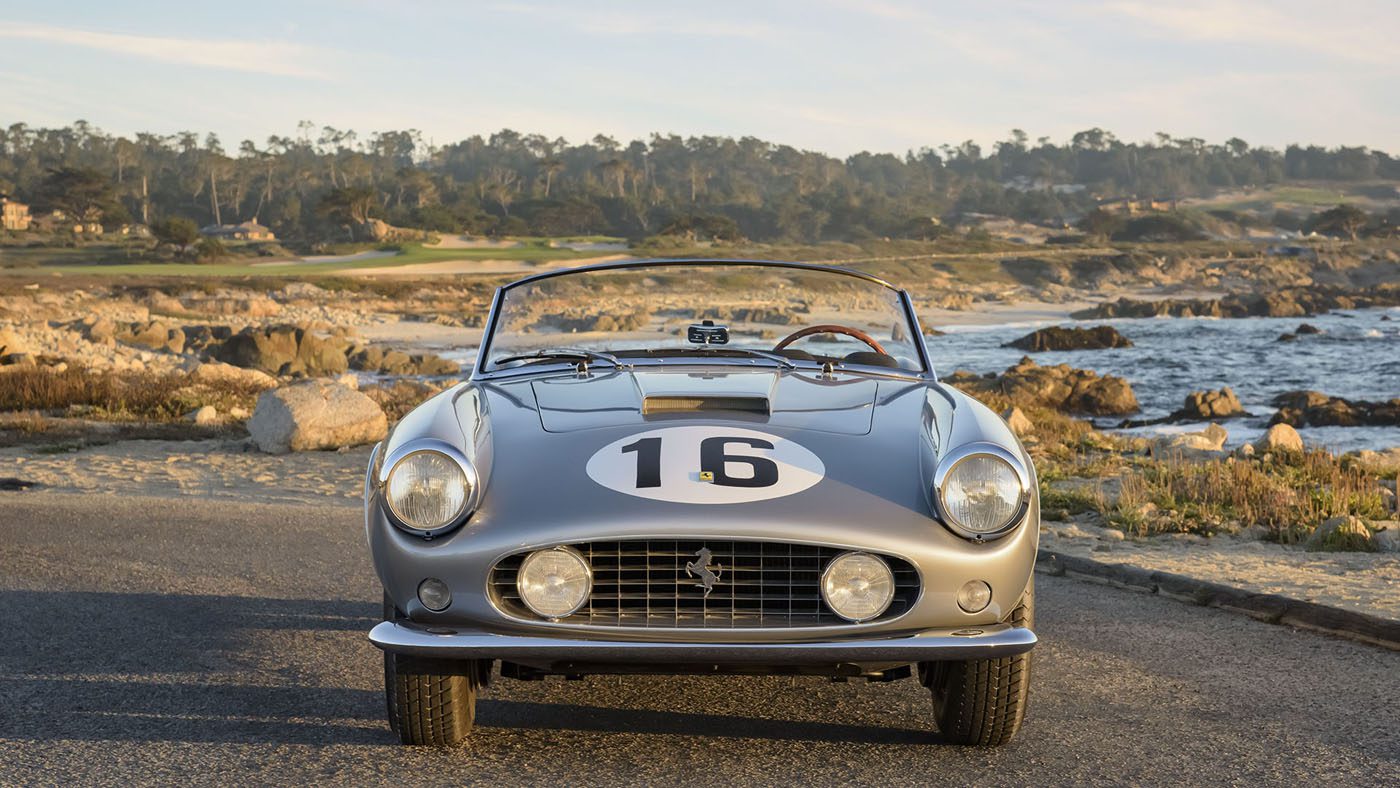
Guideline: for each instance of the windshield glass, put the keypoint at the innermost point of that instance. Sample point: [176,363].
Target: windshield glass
[659,311]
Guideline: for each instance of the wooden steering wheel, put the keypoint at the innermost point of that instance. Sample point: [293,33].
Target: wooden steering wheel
[831,328]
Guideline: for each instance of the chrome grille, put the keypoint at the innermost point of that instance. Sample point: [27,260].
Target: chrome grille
[762,584]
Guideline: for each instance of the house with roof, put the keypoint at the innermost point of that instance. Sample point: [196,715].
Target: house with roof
[14,215]
[243,231]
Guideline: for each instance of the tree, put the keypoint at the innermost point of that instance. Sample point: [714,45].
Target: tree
[81,193]
[177,232]
[1346,220]
[1100,223]
[349,206]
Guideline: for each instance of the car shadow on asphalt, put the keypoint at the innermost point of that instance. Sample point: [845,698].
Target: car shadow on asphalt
[564,716]
[200,668]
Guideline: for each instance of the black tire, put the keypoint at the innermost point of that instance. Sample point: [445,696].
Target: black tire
[430,701]
[983,701]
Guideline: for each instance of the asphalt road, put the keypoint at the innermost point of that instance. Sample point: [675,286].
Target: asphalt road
[150,640]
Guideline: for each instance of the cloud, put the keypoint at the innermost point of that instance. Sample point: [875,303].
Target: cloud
[1364,40]
[261,57]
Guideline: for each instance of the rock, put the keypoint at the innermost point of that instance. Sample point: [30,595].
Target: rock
[1017,420]
[160,303]
[1383,461]
[1315,409]
[1287,338]
[302,290]
[216,373]
[11,343]
[153,334]
[204,416]
[1385,536]
[284,349]
[1061,387]
[1252,533]
[349,380]
[1340,533]
[1206,405]
[1245,451]
[315,415]
[434,365]
[238,413]
[1060,338]
[19,360]
[1306,328]
[1210,440]
[1279,437]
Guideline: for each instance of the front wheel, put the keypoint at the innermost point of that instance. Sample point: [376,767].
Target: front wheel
[983,701]
[430,701]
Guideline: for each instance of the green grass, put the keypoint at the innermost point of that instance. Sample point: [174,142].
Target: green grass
[108,261]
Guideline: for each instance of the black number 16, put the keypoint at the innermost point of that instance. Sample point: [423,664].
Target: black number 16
[713,459]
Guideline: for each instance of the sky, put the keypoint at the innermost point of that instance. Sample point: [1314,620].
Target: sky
[837,76]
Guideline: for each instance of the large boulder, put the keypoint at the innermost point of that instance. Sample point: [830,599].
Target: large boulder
[1211,440]
[1315,409]
[284,350]
[1018,421]
[1061,387]
[1207,405]
[1279,437]
[1060,338]
[11,343]
[1340,533]
[315,415]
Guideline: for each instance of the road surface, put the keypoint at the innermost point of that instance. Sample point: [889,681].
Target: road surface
[163,640]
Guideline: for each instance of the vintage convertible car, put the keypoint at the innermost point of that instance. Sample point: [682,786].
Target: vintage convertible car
[697,467]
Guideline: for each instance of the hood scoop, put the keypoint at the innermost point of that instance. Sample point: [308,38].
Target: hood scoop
[840,404]
[674,404]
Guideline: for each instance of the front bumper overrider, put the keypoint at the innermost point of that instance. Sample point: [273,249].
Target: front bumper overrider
[977,642]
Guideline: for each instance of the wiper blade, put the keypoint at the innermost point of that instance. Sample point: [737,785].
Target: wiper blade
[582,355]
[780,360]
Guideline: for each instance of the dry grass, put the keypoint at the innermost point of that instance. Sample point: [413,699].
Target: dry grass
[1287,494]
[115,396]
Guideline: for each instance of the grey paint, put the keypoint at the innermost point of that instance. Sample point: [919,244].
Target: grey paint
[530,436]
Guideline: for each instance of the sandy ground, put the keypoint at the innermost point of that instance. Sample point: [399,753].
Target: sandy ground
[208,469]
[1365,582]
[231,470]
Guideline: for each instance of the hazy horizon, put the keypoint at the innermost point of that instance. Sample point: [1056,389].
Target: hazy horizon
[836,77]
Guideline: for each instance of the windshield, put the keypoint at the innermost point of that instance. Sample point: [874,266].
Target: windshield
[660,311]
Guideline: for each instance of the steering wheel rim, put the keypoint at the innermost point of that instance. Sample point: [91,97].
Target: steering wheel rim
[831,328]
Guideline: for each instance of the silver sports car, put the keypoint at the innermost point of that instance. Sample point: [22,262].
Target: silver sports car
[697,467]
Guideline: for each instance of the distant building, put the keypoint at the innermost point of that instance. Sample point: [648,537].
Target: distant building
[14,215]
[245,231]
[1131,206]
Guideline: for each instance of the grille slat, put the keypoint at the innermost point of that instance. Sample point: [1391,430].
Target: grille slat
[644,583]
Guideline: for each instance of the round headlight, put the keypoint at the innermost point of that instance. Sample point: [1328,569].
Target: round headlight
[857,586]
[427,490]
[554,583]
[982,494]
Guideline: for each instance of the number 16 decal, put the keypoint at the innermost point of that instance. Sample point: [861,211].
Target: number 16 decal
[705,465]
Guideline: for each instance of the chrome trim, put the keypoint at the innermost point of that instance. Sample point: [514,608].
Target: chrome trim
[821,587]
[451,452]
[479,371]
[951,460]
[953,643]
[587,570]
[828,630]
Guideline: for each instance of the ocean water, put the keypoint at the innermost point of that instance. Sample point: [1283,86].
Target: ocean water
[1357,357]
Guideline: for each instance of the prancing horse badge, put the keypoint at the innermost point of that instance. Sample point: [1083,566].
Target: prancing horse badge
[708,575]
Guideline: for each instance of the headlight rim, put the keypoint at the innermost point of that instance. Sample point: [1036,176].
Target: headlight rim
[956,457]
[587,571]
[401,453]
[826,572]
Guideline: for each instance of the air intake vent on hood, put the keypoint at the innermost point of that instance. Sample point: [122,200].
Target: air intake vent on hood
[655,405]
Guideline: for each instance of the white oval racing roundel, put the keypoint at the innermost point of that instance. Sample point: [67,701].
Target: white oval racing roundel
[705,464]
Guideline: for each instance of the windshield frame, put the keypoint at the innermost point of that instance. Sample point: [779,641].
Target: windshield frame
[480,372]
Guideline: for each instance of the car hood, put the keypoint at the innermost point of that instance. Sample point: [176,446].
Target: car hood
[841,404]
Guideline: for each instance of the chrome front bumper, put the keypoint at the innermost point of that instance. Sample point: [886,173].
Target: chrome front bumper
[979,642]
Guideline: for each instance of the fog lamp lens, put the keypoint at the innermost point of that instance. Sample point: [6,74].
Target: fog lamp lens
[434,594]
[857,586]
[974,596]
[554,583]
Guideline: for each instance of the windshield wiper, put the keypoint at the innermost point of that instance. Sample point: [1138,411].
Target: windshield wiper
[780,360]
[582,355]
